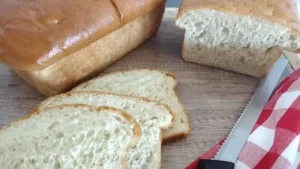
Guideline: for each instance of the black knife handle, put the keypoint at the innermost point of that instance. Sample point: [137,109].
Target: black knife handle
[215,164]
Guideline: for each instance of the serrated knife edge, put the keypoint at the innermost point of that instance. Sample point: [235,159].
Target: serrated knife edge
[239,134]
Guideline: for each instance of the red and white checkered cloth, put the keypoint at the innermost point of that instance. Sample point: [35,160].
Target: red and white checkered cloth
[274,142]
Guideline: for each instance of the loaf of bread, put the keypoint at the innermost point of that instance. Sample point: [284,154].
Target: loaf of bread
[151,116]
[55,45]
[244,36]
[150,84]
[72,136]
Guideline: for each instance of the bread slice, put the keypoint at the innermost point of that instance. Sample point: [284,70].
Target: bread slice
[152,84]
[243,36]
[150,115]
[73,136]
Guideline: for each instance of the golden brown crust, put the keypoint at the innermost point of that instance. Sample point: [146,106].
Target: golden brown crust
[125,162]
[175,137]
[180,136]
[283,12]
[160,138]
[35,81]
[183,135]
[136,130]
[71,70]
[36,34]
[130,9]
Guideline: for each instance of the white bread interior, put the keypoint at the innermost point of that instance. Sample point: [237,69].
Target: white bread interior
[239,43]
[151,84]
[151,116]
[73,136]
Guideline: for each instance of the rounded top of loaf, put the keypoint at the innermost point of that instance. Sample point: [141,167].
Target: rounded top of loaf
[284,12]
[37,33]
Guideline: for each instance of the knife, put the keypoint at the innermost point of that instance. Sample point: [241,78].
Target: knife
[237,138]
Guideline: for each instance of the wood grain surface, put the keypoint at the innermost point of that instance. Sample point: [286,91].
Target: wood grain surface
[213,98]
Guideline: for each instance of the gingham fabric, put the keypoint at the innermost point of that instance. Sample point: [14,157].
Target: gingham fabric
[274,142]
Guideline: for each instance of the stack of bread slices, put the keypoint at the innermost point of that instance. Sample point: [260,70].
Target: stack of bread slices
[115,121]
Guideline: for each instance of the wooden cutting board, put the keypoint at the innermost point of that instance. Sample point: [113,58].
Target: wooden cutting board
[213,98]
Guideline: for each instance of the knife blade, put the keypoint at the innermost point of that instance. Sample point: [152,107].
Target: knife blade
[284,75]
[237,138]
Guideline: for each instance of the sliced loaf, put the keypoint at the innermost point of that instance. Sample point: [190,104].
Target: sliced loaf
[152,84]
[74,136]
[151,116]
[238,35]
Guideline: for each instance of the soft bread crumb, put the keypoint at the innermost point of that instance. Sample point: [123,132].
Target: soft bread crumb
[151,84]
[243,44]
[69,137]
[150,115]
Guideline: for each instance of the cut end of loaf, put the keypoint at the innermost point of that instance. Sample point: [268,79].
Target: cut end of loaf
[221,28]
[244,44]
[243,61]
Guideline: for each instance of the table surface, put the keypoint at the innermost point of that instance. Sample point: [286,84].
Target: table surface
[213,98]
